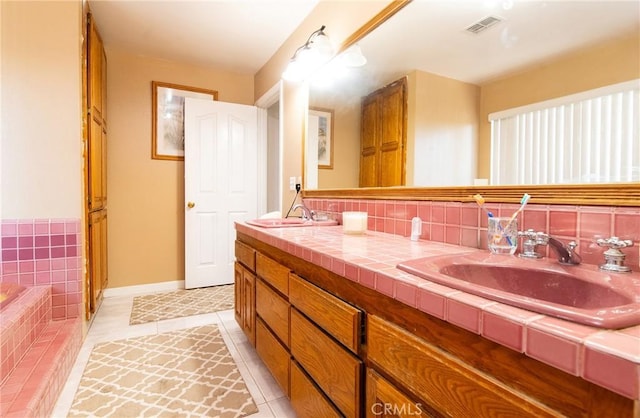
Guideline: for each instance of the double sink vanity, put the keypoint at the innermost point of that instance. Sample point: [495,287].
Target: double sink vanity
[378,325]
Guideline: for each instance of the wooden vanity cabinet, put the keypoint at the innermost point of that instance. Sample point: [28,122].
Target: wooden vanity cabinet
[244,289]
[416,364]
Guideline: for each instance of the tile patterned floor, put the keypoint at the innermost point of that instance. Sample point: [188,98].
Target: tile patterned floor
[112,323]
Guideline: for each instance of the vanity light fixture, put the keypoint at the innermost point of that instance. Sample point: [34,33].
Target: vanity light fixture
[353,57]
[310,56]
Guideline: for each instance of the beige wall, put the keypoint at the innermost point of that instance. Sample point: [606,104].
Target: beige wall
[346,142]
[41,130]
[608,63]
[442,130]
[145,196]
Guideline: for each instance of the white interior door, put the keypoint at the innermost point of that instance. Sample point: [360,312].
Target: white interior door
[220,157]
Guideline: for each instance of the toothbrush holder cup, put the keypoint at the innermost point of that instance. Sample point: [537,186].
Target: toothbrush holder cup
[502,235]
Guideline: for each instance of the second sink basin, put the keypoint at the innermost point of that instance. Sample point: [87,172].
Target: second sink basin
[581,294]
[288,222]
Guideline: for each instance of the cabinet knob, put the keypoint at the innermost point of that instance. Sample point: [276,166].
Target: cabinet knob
[190,205]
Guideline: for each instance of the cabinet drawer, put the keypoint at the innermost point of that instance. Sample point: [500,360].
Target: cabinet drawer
[384,399]
[246,255]
[306,399]
[335,316]
[273,354]
[274,311]
[334,369]
[273,273]
[444,382]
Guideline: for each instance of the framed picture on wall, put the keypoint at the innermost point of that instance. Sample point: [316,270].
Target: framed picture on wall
[167,131]
[325,135]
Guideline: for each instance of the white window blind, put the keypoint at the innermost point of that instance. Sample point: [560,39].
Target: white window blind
[590,137]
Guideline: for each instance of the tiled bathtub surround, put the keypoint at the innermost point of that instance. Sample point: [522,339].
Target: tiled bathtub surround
[45,252]
[610,358]
[466,224]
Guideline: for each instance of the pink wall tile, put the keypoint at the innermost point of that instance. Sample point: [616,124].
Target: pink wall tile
[43,252]
[594,225]
[627,225]
[534,218]
[563,222]
[453,222]
[437,213]
[469,216]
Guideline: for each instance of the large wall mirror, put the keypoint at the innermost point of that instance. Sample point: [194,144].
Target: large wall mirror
[463,60]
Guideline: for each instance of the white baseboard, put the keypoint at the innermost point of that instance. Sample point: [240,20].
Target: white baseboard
[144,288]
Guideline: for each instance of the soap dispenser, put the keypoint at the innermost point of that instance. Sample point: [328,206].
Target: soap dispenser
[416,228]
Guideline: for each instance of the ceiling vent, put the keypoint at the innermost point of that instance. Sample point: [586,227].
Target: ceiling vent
[483,24]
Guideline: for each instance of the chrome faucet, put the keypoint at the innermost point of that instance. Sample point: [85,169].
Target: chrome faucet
[530,242]
[613,257]
[531,239]
[306,212]
[565,253]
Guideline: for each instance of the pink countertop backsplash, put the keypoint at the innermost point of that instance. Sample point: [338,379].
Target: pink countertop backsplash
[609,358]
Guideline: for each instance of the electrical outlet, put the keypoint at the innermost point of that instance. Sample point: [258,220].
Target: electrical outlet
[292,184]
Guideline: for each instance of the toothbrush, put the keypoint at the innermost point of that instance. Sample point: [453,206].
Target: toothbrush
[523,203]
[480,201]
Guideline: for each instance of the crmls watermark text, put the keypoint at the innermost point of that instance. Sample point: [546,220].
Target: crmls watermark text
[404,409]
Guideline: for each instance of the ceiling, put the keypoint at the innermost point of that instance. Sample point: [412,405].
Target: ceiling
[234,35]
[242,35]
[431,35]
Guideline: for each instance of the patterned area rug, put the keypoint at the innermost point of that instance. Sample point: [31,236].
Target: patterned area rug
[181,303]
[176,374]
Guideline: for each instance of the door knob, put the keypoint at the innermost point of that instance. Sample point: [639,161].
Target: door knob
[190,205]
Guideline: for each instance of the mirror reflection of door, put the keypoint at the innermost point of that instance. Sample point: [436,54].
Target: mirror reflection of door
[384,136]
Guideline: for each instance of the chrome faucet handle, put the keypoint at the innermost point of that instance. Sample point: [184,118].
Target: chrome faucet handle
[530,242]
[613,257]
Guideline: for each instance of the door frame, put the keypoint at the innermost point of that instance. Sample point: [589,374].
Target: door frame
[268,99]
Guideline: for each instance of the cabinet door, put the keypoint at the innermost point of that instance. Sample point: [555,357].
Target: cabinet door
[96,167]
[97,256]
[249,305]
[238,288]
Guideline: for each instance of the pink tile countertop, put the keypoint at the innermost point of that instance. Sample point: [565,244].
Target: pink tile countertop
[609,358]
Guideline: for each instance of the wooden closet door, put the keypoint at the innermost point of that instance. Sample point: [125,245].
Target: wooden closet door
[383,136]
[369,142]
[393,134]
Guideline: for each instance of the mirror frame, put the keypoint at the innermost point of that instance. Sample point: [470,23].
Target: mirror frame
[599,194]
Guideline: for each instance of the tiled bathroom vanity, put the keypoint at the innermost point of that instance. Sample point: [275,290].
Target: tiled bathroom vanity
[345,332]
